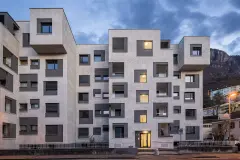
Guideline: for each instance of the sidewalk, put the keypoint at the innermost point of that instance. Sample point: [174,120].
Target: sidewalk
[44,157]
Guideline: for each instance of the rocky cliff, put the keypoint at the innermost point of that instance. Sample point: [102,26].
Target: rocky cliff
[223,71]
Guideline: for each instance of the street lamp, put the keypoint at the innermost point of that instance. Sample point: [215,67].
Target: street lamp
[229,111]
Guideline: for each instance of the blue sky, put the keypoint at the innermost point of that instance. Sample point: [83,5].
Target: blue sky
[91,19]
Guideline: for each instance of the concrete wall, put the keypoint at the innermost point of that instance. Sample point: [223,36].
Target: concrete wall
[12,44]
[89,70]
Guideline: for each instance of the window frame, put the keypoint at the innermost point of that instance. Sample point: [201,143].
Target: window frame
[53,63]
[190,78]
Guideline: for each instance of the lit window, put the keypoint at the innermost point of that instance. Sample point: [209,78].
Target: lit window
[147,44]
[189,78]
[23,62]
[143,78]
[143,98]
[143,118]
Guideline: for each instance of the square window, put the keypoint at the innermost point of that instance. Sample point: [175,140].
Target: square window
[105,77]
[196,51]
[97,58]
[175,94]
[23,62]
[117,112]
[189,96]
[34,106]
[84,59]
[34,62]
[147,44]
[98,78]
[51,130]
[83,114]
[23,84]
[143,118]
[105,128]
[189,78]
[143,98]
[52,64]
[23,107]
[119,132]
[143,78]
[34,128]
[23,128]
[34,84]
[46,27]
[83,132]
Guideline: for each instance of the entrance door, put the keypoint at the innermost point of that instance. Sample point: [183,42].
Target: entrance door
[145,140]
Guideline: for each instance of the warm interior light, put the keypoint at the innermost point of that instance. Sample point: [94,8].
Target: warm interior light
[144,98]
[148,45]
[145,132]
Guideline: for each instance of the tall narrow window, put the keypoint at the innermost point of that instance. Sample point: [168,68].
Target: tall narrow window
[143,118]
[143,78]
[143,98]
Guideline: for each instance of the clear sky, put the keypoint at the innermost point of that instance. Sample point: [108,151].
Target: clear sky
[91,19]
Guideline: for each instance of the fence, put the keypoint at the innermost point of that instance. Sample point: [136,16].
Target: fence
[206,143]
[65,146]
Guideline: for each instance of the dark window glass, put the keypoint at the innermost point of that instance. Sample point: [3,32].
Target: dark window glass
[119,132]
[51,130]
[105,128]
[84,114]
[46,27]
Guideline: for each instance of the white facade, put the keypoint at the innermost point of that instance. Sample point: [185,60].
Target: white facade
[76,111]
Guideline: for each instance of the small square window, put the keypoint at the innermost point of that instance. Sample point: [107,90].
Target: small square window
[34,62]
[23,128]
[143,98]
[46,27]
[23,62]
[84,59]
[34,127]
[189,78]
[23,84]
[34,84]
[52,64]
[97,58]
[34,106]
[119,132]
[176,94]
[147,44]
[105,128]
[143,118]
[83,114]
[196,49]
[143,78]
[23,107]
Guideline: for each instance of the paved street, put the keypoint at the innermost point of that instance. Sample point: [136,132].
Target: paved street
[209,156]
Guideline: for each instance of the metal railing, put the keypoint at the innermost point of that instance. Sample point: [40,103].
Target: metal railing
[205,143]
[65,146]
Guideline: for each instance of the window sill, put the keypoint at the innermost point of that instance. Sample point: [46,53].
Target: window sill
[10,113]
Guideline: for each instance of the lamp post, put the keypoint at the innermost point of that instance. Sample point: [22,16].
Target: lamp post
[229,112]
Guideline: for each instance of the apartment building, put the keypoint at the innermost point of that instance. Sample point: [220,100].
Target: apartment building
[136,91]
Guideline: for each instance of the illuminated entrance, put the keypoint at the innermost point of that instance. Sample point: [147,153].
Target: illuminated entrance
[143,139]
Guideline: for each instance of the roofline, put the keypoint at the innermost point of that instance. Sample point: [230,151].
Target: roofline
[46,8]
[92,44]
[11,18]
[22,21]
[135,29]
